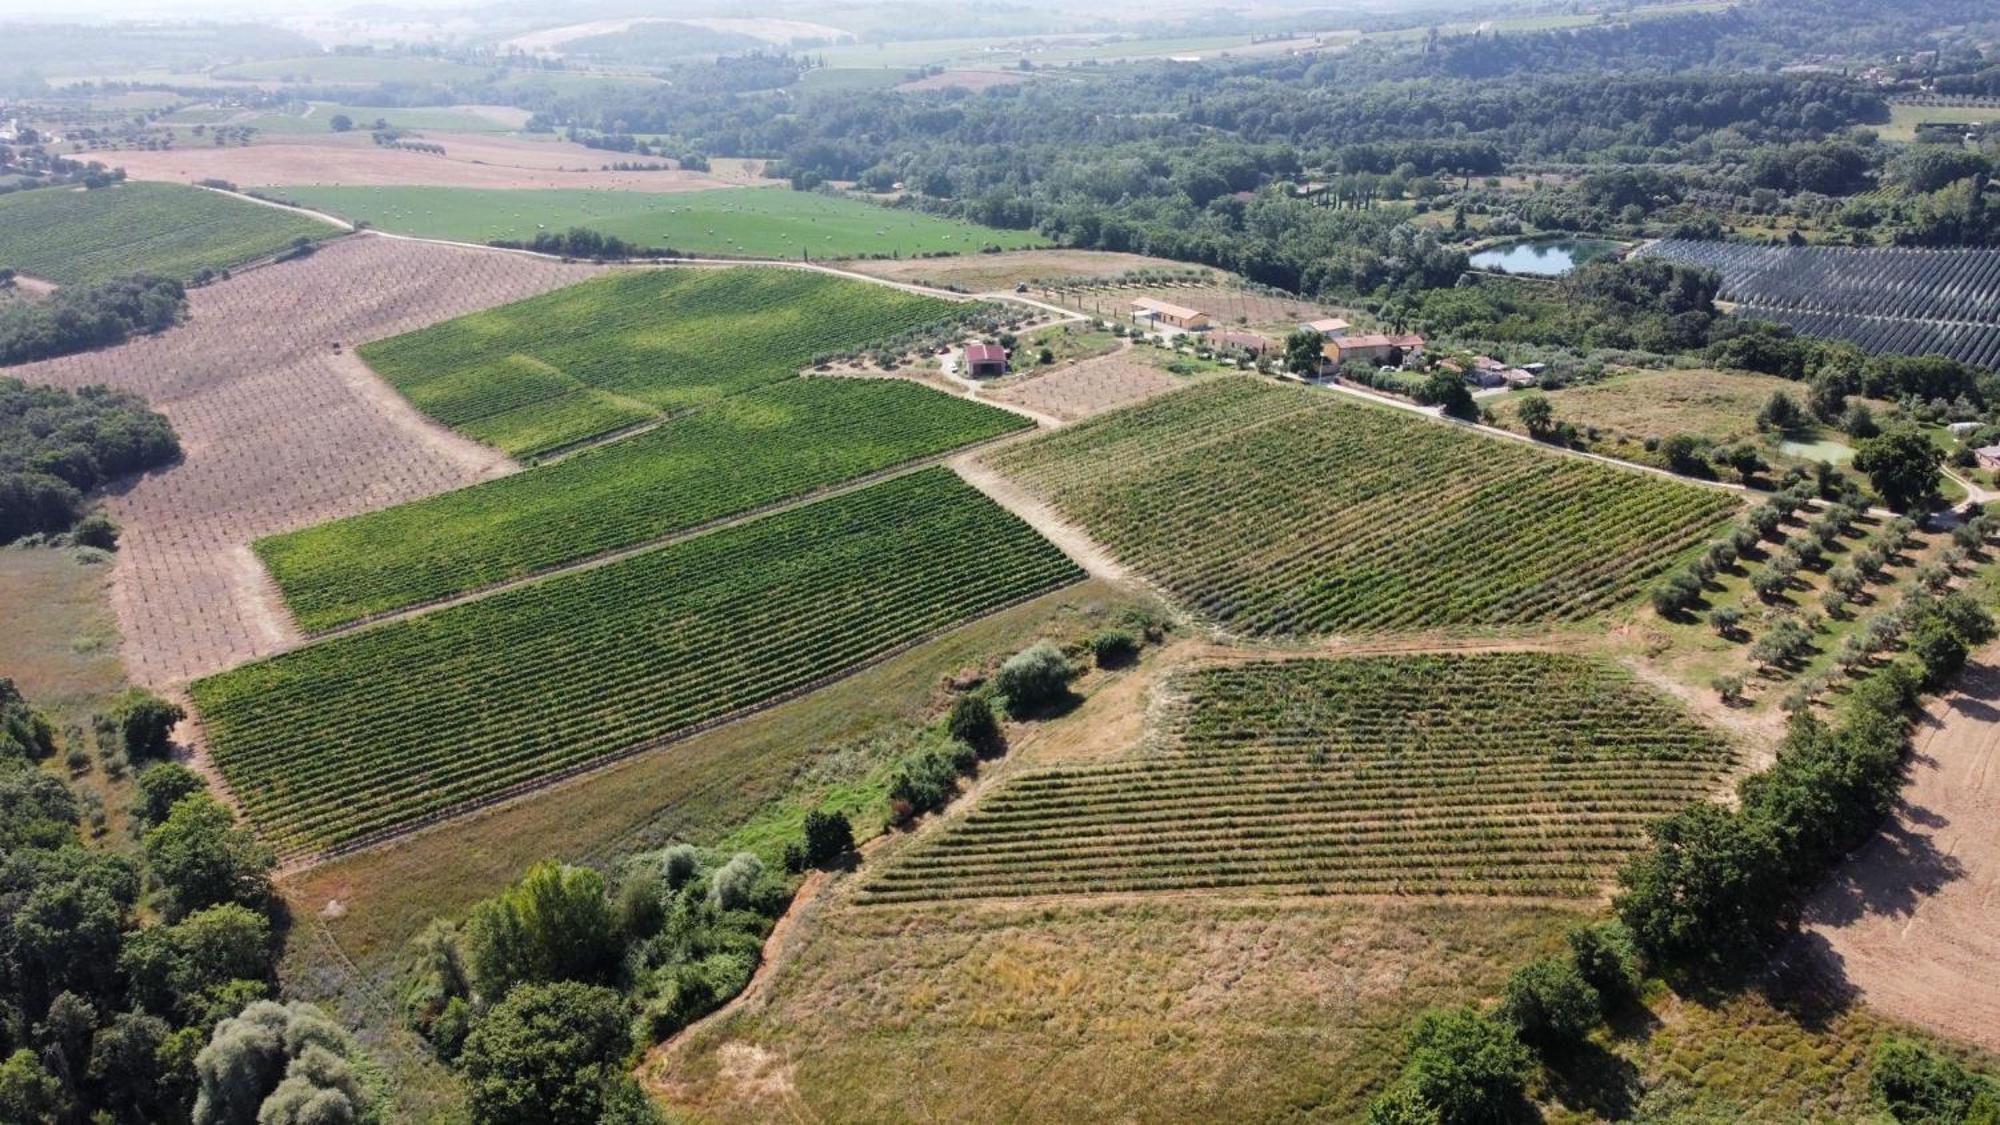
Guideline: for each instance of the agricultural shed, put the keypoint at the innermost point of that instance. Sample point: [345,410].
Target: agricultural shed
[985,360]
[1164,312]
[1988,456]
[1329,327]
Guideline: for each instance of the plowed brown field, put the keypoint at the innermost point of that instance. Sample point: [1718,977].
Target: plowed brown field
[279,431]
[1913,920]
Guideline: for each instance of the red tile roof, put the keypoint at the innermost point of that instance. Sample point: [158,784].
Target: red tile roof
[985,353]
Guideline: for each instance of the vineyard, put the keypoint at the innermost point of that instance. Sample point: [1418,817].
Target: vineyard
[1277,510]
[79,237]
[366,732]
[1528,774]
[566,366]
[748,451]
[1905,301]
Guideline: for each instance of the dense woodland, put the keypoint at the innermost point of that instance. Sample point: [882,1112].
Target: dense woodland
[55,447]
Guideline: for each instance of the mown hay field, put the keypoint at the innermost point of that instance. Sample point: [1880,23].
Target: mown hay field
[746,452]
[370,731]
[1513,773]
[1279,510]
[76,237]
[755,222]
[567,366]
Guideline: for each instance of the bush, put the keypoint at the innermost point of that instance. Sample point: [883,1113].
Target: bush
[1466,1067]
[1918,1085]
[95,530]
[1730,688]
[928,779]
[1034,678]
[1606,960]
[1114,648]
[679,864]
[1725,619]
[146,722]
[828,836]
[1548,1003]
[734,885]
[971,722]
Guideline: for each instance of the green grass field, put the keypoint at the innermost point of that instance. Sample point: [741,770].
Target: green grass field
[556,369]
[77,237]
[1278,510]
[364,732]
[746,452]
[1904,119]
[726,222]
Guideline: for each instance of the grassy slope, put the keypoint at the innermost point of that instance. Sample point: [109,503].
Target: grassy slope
[736,222]
[748,451]
[76,237]
[565,366]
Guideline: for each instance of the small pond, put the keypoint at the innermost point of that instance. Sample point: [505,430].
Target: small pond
[1833,452]
[1544,257]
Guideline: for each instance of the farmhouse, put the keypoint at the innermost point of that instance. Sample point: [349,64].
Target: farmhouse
[1373,347]
[1247,341]
[1171,315]
[985,361]
[1988,456]
[1963,429]
[1331,327]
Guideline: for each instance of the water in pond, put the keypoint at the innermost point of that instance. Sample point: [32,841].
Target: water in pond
[1544,257]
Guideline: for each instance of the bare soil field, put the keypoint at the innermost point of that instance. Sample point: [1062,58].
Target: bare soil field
[974,80]
[1090,387]
[279,430]
[469,160]
[1229,307]
[987,272]
[1910,921]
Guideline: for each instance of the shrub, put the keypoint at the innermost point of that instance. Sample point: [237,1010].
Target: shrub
[1114,648]
[1606,960]
[95,530]
[1549,1003]
[679,864]
[972,722]
[1035,677]
[1466,1067]
[146,722]
[1918,1085]
[828,836]
[1730,688]
[928,779]
[1725,619]
[734,885]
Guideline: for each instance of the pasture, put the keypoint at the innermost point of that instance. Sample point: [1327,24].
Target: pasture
[1278,510]
[567,366]
[1529,774]
[359,70]
[77,237]
[746,452]
[367,732]
[763,222]
[315,119]
[1894,300]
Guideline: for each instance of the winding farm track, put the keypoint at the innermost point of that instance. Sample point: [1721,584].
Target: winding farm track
[279,431]
[1912,921]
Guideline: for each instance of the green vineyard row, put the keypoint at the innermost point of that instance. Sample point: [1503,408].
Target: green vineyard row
[566,366]
[362,733]
[746,452]
[1504,773]
[1277,510]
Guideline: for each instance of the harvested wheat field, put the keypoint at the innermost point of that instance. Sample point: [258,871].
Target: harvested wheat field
[279,431]
[1909,920]
[1091,387]
[469,160]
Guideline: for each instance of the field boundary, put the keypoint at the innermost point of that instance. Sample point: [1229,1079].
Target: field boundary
[521,790]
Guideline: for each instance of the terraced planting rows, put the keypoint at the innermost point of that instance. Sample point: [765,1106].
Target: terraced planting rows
[1527,774]
[78,237]
[363,733]
[746,452]
[1278,510]
[563,367]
